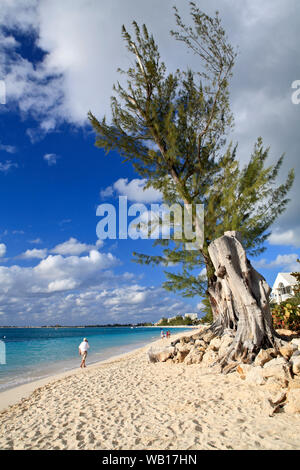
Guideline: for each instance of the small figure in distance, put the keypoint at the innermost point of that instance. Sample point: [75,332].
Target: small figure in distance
[83,350]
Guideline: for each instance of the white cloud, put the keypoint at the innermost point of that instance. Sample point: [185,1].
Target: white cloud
[2,249]
[107,192]
[34,253]
[80,290]
[62,285]
[6,166]
[51,158]
[284,263]
[287,237]
[134,190]
[73,247]
[36,241]
[7,148]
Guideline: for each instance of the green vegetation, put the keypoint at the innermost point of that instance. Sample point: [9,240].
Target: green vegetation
[287,314]
[178,321]
[173,128]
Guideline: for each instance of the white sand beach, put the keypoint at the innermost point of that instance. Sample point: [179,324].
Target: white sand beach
[129,403]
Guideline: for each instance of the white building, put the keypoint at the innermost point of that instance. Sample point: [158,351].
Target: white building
[283,287]
[192,316]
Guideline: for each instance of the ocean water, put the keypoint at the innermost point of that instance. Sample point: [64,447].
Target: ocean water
[28,354]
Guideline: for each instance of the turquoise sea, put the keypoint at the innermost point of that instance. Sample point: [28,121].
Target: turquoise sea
[35,353]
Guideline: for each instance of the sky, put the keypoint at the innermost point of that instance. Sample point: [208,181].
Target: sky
[58,60]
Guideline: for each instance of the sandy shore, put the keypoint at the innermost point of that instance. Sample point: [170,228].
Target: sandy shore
[128,403]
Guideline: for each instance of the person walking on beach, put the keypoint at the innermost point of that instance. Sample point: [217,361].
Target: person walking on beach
[83,350]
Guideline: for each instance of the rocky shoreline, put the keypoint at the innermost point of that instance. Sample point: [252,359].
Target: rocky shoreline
[275,369]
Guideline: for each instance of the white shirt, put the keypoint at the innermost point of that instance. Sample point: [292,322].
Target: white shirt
[84,346]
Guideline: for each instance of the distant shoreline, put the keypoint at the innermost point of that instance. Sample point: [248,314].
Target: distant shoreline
[107,326]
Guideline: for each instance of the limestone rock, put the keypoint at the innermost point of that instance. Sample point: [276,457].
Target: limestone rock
[215,343]
[160,354]
[275,362]
[293,401]
[184,347]
[263,357]
[295,361]
[278,371]
[208,336]
[200,342]
[296,342]
[194,357]
[209,357]
[284,332]
[295,383]
[226,341]
[243,369]
[287,351]
[276,383]
[255,376]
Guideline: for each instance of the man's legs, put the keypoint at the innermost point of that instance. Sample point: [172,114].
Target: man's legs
[84,354]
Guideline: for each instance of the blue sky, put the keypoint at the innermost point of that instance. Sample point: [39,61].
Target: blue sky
[58,61]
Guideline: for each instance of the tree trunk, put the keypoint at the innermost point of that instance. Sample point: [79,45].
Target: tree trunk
[239,298]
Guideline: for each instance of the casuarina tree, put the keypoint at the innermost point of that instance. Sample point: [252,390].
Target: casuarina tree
[173,128]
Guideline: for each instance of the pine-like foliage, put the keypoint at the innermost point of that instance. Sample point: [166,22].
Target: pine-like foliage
[173,127]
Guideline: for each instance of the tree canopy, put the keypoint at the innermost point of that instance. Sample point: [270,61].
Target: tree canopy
[174,128]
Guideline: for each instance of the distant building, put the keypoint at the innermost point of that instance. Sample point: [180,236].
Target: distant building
[283,287]
[192,316]
[171,318]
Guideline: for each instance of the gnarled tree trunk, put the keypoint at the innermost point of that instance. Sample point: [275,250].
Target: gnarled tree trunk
[239,297]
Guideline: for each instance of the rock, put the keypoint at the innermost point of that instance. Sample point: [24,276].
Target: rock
[295,361]
[186,340]
[296,342]
[243,369]
[182,347]
[209,357]
[295,383]
[276,384]
[194,357]
[278,371]
[255,376]
[181,355]
[275,362]
[226,341]
[200,342]
[160,354]
[214,344]
[273,352]
[293,401]
[284,332]
[287,351]
[208,336]
[263,357]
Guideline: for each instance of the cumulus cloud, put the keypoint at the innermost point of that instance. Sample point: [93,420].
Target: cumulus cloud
[73,247]
[134,190]
[79,290]
[2,249]
[285,237]
[8,148]
[34,253]
[70,79]
[286,263]
[7,165]
[51,158]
